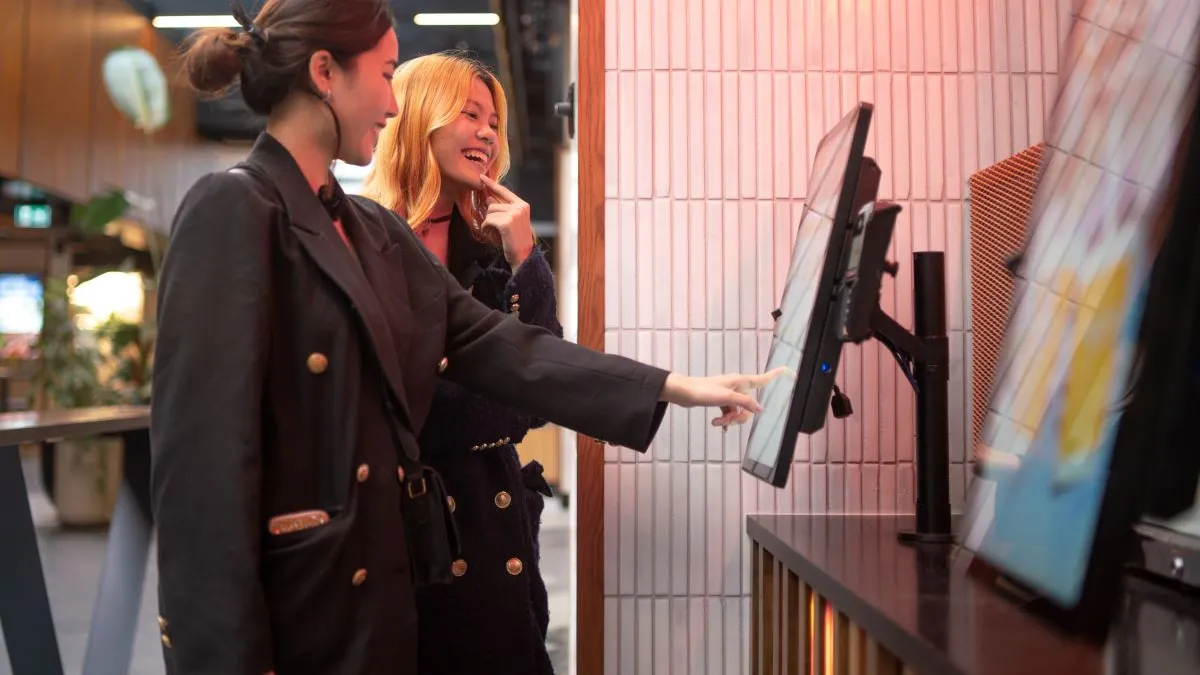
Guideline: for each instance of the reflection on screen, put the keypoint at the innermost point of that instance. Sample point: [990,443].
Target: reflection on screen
[20,304]
[800,289]
[1052,419]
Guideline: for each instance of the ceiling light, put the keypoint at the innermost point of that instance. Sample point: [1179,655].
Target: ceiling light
[463,19]
[196,21]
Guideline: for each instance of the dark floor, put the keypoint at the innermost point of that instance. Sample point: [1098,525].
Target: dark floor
[71,560]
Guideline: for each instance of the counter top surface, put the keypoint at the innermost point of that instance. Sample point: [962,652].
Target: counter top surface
[923,606]
[34,426]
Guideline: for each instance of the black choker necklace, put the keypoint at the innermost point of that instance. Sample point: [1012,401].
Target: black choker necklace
[332,198]
[439,219]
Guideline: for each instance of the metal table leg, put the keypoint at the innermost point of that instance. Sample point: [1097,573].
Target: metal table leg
[115,616]
[24,603]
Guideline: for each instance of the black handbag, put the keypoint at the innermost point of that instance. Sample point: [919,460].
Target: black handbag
[430,531]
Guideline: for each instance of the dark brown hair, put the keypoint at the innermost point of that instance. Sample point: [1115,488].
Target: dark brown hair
[270,55]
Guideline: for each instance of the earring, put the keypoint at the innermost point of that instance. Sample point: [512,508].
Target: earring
[328,96]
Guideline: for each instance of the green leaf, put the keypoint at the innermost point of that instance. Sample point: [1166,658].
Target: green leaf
[94,215]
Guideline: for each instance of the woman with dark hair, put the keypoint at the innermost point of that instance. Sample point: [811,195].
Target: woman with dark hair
[300,336]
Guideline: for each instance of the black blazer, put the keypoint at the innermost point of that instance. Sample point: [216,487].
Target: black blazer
[275,345]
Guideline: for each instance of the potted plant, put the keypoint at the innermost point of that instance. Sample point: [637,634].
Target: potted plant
[83,475]
[128,351]
[107,365]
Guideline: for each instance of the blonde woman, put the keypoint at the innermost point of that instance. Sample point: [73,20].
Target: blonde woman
[438,164]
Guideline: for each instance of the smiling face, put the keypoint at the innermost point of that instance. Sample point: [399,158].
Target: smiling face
[364,100]
[450,131]
[466,147]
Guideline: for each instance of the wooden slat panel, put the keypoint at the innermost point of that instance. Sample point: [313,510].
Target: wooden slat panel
[772,638]
[816,633]
[880,661]
[756,602]
[166,144]
[841,644]
[57,101]
[12,50]
[766,629]
[118,157]
[857,648]
[804,653]
[590,466]
[793,624]
[183,129]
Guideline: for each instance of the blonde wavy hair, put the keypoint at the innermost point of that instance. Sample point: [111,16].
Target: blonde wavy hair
[431,92]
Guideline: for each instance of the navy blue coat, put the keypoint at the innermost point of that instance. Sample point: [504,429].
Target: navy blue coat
[493,618]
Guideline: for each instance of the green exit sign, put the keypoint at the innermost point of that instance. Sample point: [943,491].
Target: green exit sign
[32,215]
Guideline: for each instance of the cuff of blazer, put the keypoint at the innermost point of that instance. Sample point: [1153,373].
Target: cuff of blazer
[529,293]
[643,426]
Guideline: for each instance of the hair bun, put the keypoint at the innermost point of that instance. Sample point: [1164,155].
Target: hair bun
[269,54]
[214,59]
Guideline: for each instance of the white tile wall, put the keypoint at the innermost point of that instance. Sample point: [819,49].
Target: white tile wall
[714,109]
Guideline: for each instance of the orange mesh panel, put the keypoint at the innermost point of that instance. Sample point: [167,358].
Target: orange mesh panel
[1001,200]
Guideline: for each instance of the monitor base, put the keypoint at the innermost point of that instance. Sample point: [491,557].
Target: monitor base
[914,537]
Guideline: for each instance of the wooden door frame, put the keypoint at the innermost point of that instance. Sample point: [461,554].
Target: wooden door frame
[589,482]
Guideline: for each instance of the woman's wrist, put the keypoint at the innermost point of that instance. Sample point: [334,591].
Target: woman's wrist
[518,257]
[670,388]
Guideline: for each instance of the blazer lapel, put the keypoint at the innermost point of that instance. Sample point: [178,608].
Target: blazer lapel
[315,231]
[389,288]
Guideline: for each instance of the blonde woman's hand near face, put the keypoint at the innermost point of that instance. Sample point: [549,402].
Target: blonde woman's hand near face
[508,215]
[728,392]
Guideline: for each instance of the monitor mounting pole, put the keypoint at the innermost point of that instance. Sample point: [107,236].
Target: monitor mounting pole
[928,351]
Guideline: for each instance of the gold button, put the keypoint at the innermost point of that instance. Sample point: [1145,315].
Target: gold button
[516,308]
[451,502]
[443,364]
[317,363]
[515,297]
[514,566]
[459,568]
[400,473]
[363,472]
[503,499]
[359,577]
[166,641]
[162,624]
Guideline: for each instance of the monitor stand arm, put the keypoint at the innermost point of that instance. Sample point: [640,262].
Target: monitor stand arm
[924,355]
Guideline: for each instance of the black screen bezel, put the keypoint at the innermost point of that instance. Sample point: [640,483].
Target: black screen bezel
[821,321]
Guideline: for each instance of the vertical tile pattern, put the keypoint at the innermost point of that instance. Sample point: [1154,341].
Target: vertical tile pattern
[712,124]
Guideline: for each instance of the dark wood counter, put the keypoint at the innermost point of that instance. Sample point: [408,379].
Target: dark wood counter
[840,594]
